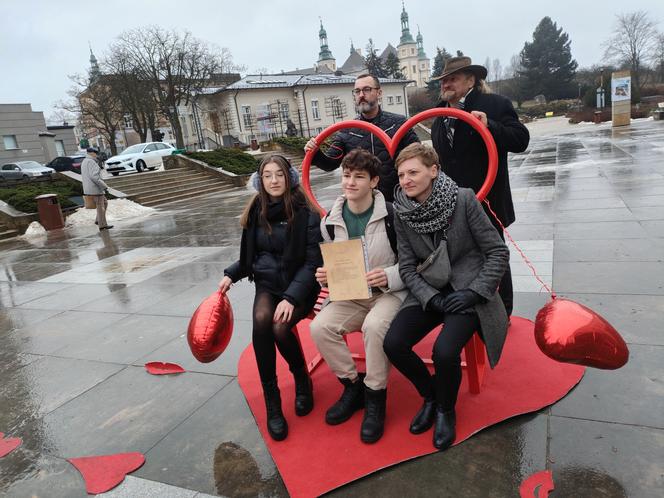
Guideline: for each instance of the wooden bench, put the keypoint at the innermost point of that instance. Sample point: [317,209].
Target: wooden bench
[474,353]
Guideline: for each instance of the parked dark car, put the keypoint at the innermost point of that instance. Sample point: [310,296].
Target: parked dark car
[67,163]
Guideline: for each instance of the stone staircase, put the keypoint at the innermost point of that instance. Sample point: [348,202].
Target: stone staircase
[161,187]
[6,232]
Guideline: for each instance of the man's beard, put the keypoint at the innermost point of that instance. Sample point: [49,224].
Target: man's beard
[367,106]
[447,95]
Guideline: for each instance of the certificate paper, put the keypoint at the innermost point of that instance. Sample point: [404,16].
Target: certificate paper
[346,265]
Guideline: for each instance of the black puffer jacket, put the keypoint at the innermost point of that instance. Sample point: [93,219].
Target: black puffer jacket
[352,138]
[297,284]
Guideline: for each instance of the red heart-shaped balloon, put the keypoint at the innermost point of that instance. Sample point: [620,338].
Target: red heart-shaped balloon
[210,328]
[569,332]
[162,368]
[102,473]
[7,445]
[393,143]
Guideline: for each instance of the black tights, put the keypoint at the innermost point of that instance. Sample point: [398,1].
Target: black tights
[409,327]
[266,334]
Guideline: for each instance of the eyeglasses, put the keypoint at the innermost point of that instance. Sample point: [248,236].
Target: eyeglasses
[279,175]
[365,90]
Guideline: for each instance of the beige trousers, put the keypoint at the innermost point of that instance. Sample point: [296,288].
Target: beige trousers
[100,203]
[373,317]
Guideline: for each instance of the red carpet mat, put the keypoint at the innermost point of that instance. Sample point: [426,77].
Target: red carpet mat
[316,458]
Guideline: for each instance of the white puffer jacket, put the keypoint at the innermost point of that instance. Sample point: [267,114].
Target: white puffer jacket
[378,243]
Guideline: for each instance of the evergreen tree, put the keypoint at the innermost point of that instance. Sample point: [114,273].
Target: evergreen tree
[433,86]
[392,66]
[374,63]
[547,66]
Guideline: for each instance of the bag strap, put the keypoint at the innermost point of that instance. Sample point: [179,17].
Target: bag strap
[389,227]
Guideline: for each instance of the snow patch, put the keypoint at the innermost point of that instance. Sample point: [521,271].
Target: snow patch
[117,209]
[34,229]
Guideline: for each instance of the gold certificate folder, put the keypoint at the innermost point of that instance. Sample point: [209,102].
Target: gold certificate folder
[345,262]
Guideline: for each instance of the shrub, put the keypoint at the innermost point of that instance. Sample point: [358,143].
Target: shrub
[232,160]
[294,143]
[22,197]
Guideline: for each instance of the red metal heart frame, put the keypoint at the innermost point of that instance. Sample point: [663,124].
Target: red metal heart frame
[393,143]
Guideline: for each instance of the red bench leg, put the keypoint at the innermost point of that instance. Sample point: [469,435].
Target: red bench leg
[475,363]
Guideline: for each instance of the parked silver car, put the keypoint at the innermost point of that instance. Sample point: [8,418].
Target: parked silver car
[139,157]
[24,170]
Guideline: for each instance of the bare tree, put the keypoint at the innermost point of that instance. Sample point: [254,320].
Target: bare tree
[489,69]
[658,58]
[632,43]
[97,107]
[136,95]
[177,65]
[497,72]
[61,116]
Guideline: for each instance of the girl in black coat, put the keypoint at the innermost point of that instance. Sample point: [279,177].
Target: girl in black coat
[279,251]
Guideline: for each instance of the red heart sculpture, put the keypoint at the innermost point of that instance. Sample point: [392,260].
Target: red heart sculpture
[572,333]
[161,368]
[7,445]
[543,480]
[393,143]
[210,328]
[102,473]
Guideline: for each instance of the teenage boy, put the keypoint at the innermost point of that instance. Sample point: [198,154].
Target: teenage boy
[361,211]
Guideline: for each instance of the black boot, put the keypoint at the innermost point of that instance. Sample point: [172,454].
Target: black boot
[304,392]
[444,431]
[374,415]
[351,400]
[424,418]
[276,423]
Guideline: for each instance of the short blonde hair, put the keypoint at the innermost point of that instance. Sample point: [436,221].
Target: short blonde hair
[424,153]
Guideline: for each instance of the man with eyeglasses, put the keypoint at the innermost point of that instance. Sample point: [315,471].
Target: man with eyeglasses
[366,94]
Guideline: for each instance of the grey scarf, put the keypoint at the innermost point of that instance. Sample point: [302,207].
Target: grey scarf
[432,215]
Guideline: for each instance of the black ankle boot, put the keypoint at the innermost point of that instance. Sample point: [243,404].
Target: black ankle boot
[444,431]
[373,422]
[304,392]
[276,423]
[351,400]
[424,418]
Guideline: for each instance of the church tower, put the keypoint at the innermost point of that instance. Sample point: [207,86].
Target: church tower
[325,57]
[407,50]
[95,72]
[424,71]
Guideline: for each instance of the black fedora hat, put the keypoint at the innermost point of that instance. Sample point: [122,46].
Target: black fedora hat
[455,64]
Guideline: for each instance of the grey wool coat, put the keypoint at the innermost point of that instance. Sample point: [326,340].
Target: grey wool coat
[478,259]
[91,173]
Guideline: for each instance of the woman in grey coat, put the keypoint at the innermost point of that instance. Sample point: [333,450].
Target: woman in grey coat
[451,259]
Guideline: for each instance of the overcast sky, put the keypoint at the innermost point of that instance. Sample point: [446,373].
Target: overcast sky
[44,41]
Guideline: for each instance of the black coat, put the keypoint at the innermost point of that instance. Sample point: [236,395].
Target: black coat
[466,163]
[352,138]
[296,281]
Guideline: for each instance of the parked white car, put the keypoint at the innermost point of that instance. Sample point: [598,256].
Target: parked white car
[24,170]
[139,157]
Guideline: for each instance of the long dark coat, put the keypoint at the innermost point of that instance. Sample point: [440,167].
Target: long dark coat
[467,161]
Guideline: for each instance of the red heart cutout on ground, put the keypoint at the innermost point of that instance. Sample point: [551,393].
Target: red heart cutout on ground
[543,480]
[210,328]
[161,368]
[316,458]
[570,332]
[393,143]
[7,445]
[102,473]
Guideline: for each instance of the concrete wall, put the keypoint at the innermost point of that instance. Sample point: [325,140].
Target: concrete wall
[65,133]
[22,122]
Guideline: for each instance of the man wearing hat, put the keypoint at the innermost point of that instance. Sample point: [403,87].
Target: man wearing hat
[462,151]
[94,186]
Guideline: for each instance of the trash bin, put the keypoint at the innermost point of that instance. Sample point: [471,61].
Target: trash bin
[254,144]
[50,214]
[598,117]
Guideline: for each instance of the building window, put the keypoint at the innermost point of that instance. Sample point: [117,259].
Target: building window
[398,99]
[284,111]
[10,142]
[314,109]
[128,122]
[319,130]
[246,115]
[390,100]
[414,68]
[60,147]
[412,51]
